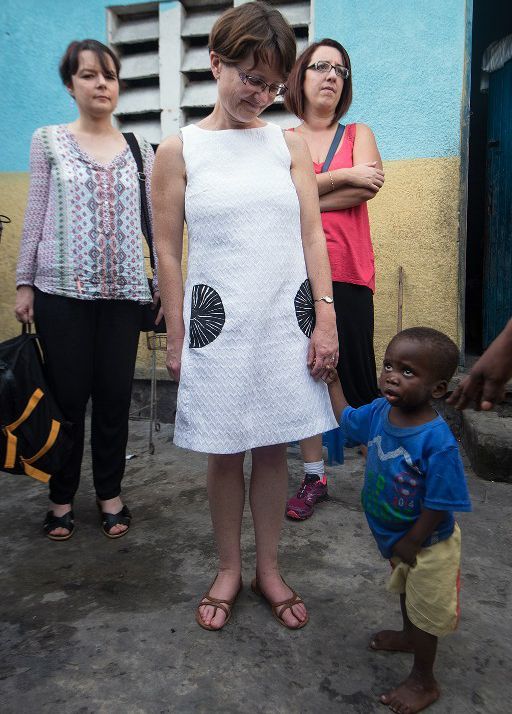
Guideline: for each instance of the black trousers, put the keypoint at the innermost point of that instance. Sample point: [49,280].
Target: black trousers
[90,348]
[354,320]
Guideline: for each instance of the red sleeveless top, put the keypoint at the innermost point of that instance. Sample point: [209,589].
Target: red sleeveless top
[347,231]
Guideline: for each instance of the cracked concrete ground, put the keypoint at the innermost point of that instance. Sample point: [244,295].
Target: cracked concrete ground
[96,626]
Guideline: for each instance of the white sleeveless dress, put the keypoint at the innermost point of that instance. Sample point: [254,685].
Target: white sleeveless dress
[248,308]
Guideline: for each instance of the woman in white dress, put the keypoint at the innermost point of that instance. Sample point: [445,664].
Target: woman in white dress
[252,333]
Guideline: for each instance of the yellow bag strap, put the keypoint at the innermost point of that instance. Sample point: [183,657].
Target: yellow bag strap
[10,453]
[27,463]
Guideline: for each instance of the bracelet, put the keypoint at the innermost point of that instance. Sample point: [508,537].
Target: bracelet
[332,182]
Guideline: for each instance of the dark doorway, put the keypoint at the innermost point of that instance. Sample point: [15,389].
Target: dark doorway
[492,20]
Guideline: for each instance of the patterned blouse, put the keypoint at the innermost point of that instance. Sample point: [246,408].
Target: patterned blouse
[82,236]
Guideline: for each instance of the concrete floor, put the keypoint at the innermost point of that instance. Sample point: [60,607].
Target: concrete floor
[93,625]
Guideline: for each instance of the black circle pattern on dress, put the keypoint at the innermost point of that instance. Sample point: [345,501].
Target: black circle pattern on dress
[207,316]
[305,308]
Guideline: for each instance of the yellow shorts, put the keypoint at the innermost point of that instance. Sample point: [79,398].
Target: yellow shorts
[431,586]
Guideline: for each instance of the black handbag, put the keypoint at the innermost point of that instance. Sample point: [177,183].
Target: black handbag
[34,437]
[149,311]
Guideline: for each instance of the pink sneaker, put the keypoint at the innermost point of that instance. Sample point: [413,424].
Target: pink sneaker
[300,506]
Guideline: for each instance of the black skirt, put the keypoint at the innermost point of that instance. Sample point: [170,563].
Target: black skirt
[354,320]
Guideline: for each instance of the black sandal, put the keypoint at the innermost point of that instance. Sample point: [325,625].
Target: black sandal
[109,520]
[51,522]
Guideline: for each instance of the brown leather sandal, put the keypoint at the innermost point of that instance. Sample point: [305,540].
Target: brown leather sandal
[224,605]
[279,607]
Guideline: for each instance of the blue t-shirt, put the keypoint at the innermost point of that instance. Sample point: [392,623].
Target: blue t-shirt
[407,469]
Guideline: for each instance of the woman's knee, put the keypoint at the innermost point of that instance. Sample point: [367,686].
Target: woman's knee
[269,456]
[226,463]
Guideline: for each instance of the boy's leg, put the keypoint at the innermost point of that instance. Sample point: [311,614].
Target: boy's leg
[431,602]
[395,640]
[420,689]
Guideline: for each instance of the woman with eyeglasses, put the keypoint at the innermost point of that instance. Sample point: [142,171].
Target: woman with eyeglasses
[320,93]
[242,333]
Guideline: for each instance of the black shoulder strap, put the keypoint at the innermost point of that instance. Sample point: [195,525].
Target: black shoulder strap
[333,148]
[145,223]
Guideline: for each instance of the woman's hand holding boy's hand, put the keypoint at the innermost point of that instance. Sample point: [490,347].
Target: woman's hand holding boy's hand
[338,400]
[323,348]
[330,375]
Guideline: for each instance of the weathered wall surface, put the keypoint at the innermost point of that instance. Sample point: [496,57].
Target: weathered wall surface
[414,224]
[407,61]
[13,197]
[35,36]
[407,68]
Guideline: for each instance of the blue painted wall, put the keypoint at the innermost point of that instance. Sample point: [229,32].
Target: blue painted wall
[407,58]
[35,34]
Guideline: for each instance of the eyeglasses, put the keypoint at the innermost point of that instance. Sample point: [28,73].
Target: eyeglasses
[274,90]
[325,67]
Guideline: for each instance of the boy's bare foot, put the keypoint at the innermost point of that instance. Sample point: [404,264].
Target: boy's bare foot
[392,641]
[416,693]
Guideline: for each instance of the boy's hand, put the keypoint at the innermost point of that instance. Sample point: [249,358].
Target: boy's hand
[330,375]
[339,403]
[406,549]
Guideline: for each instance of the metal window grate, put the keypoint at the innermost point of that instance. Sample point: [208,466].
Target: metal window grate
[165,74]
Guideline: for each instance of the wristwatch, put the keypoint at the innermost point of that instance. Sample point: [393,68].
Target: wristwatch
[325,298]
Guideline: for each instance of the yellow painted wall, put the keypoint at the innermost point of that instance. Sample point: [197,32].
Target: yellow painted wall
[13,198]
[414,222]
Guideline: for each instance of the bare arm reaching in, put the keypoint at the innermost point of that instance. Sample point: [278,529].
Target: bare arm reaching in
[485,384]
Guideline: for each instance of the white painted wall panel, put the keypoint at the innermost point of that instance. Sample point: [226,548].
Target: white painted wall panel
[302,43]
[136,31]
[199,94]
[197,59]
[282,118]
[141,65]
[297,13]
[149,129]
[171,57]
[139,99]
[200,24]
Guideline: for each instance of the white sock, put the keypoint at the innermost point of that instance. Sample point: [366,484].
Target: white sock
[314,468]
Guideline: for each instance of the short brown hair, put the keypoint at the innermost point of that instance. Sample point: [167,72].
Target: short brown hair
[258,28]
[294,97]
[68,65]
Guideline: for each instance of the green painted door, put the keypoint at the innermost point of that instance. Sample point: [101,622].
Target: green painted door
[497,297]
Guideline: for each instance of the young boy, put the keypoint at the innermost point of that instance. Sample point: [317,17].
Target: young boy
[414,480]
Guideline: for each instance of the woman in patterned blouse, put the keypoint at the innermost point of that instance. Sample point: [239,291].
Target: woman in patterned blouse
[81,277]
